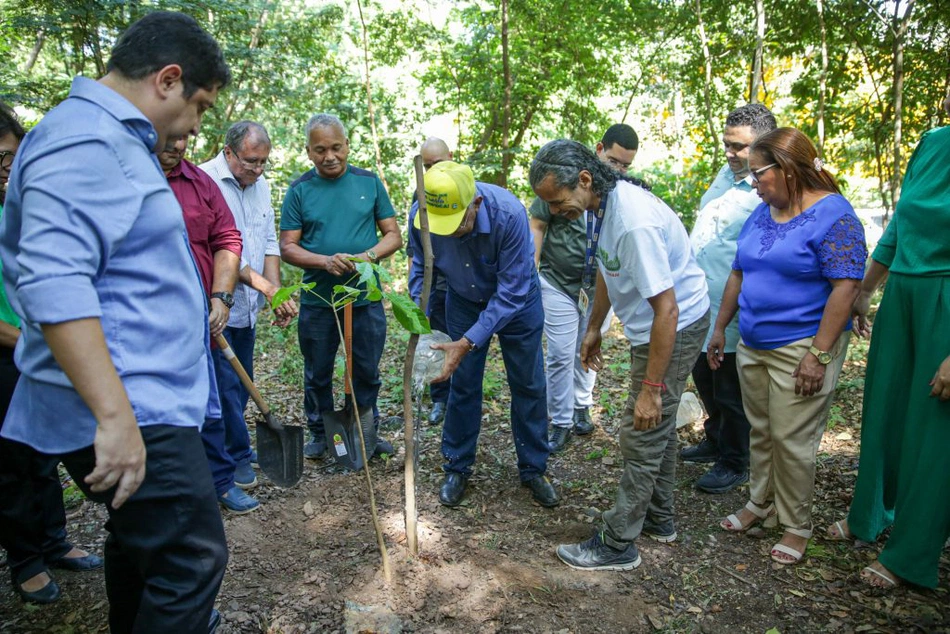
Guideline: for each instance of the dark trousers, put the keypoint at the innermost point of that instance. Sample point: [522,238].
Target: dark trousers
[520,341]
[319,341]
[232,393]
[727,426]
[32,518]
[439,392]
[166,551]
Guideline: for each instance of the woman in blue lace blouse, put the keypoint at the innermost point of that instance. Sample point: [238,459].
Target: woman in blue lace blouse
[799,262]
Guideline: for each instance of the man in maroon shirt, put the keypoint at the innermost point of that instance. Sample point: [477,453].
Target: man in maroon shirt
[216,245]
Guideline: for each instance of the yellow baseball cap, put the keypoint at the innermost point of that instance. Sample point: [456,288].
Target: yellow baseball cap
[450,189]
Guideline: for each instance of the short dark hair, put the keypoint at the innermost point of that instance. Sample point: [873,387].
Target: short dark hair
[166,37]
[620,134]
[9,123]
[239,131]
[565,159]
[754,115]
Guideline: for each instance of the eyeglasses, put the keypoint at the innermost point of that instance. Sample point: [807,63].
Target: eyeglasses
[256,164]
[755,174]
[735,148]
[6,159]
[620,165]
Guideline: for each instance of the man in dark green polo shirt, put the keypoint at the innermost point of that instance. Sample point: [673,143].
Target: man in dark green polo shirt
[331,214]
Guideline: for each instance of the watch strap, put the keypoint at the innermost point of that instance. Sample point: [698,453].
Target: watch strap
[226,298]
[824,357]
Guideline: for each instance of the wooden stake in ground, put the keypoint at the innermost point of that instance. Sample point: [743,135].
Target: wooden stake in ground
[412,531]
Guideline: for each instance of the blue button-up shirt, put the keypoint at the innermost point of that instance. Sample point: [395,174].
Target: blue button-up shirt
[254,218]
[91,229]
[492,265]
[725,207]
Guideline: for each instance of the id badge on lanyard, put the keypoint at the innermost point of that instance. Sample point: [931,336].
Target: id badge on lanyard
[594,224]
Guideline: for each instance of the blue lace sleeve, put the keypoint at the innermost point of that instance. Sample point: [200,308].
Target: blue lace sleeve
[843,252]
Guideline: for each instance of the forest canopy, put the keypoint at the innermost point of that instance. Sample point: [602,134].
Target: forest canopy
[496,79]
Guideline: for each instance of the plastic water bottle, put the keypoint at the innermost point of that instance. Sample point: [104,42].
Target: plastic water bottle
[427,363]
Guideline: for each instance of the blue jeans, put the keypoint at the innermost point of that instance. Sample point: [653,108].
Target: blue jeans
[520,341]
[438,391]
[232,393]
[319,340]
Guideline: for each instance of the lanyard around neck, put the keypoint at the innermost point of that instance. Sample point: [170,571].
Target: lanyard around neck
[595,221]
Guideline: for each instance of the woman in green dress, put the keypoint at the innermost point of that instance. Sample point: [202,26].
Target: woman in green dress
[904,475]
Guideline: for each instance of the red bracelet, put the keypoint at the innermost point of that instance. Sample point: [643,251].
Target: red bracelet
[662,386]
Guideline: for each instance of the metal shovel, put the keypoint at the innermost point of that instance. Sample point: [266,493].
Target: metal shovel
[279,447]
[343,441]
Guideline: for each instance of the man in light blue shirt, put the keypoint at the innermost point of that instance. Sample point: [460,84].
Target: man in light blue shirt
[114,351]
[723,211]
[483,247]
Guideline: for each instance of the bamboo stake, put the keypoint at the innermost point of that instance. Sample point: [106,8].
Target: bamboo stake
[412,530]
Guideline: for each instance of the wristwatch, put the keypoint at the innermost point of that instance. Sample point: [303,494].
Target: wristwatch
[371,254]
[824,358]
[226,298]
[471,344]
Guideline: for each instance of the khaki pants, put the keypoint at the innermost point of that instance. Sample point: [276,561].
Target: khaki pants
[786,428]
[649,456]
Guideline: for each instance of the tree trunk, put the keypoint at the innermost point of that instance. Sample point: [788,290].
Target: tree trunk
[822,78]
[369,101]
[238,78]
[899,27]
[707,82]
[35,53]
[506,110]
[759,51]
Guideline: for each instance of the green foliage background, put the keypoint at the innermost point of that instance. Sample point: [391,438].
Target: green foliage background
[576,68]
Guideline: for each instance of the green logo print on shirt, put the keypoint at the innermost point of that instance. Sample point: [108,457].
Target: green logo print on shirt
[612,265]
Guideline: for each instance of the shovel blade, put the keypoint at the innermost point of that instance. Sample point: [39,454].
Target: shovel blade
[343,441]
[280,454]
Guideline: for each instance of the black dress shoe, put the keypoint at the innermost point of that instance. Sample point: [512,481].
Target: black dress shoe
[582,424]
[47,594]
[78,564]
[214,621]
[542,491]
[558,438]
[437,415]
[453,487]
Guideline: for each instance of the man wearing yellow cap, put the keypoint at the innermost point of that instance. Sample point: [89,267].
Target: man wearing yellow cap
[482,245]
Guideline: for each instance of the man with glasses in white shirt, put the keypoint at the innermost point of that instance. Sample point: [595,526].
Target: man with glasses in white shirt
[239,172]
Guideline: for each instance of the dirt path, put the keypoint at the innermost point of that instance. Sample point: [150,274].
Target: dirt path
[307,560]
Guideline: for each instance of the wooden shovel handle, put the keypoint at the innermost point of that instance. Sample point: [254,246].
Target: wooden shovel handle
[348,342]
[245,379]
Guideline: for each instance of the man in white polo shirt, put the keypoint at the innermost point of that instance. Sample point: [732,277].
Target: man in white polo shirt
[647,272]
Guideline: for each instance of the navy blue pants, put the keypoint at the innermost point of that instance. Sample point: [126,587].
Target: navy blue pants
[232,393]
[166,551]
[726,427]
[439,392]
[520,341]
[319,341]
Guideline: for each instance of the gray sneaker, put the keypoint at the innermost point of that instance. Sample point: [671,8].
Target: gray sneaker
[594,554]
[664,533]
[315,448]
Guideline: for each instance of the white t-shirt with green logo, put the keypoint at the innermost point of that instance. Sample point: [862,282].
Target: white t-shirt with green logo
[644,250]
